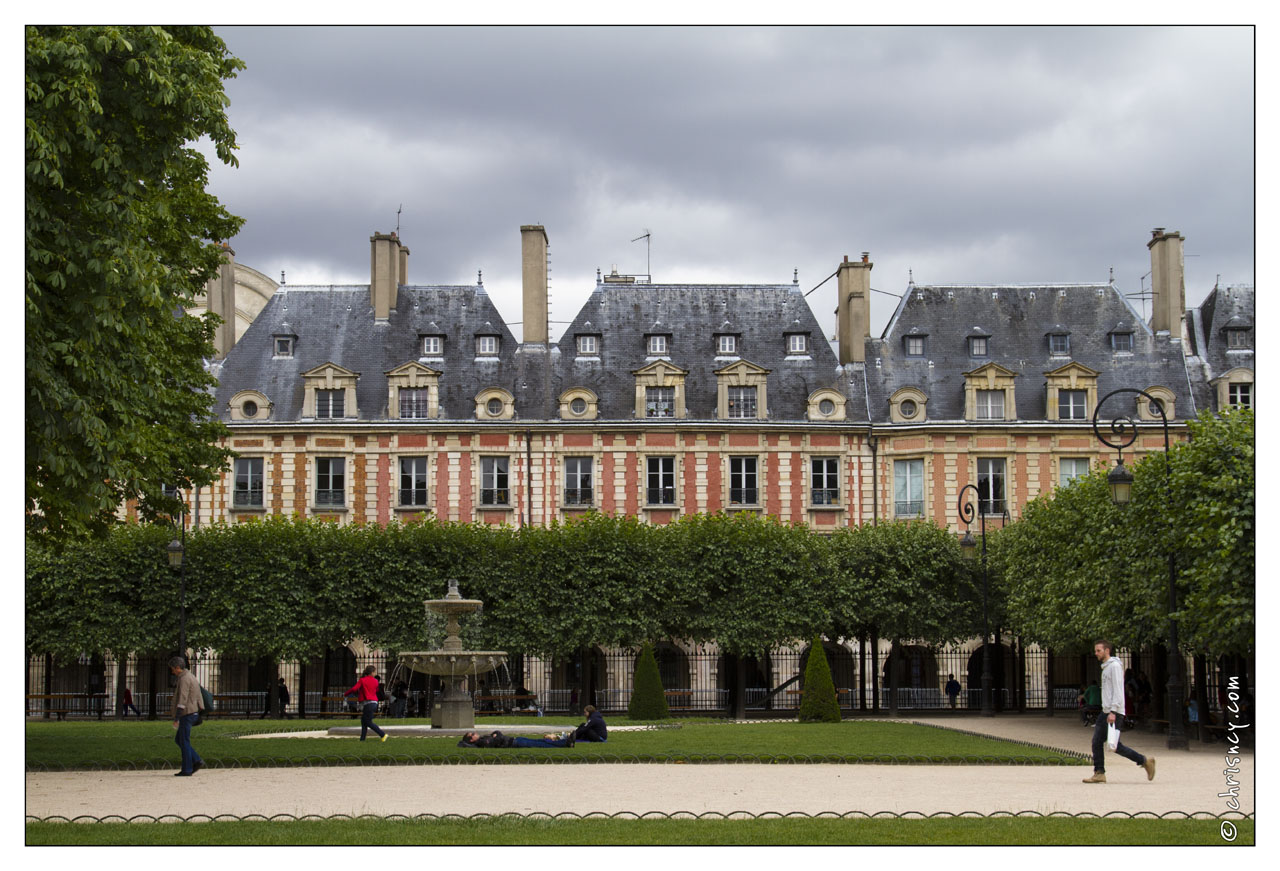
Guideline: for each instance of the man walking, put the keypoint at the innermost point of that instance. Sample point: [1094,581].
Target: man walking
[1112,715]
[187,705]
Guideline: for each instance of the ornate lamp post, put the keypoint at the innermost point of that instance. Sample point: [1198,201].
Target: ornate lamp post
[968,547]
[1124,430]
[176,550]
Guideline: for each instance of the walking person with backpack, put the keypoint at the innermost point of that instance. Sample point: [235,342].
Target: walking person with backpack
[188,702]
[366,692]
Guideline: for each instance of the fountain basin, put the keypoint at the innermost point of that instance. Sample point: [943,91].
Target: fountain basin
[452,663]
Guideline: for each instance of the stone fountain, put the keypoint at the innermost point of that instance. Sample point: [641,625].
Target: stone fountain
[453,709]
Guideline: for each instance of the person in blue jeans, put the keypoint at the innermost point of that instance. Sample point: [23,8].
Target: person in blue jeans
[497,739]
[187,704]
[366,692]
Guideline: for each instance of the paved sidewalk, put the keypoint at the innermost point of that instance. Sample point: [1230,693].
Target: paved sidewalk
[1186,781]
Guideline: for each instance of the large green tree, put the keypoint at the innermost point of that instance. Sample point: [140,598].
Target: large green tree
[120,237]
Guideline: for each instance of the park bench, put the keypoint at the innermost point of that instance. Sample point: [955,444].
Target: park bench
[337,708]
[504,704]
[62,704]
[679,700]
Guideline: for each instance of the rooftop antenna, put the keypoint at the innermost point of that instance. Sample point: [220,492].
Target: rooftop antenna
[282,276]
[645,237]
[398,219]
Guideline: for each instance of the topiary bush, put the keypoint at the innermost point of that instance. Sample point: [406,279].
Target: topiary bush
[648,701]
[819,704]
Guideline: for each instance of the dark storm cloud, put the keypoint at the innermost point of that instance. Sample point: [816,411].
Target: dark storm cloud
[963,154]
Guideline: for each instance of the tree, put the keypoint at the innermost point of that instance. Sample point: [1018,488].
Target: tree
[120,238]
[648,700]
[819,704]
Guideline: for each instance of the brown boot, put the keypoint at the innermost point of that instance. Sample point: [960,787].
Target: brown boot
[1098,777]
[1150,766]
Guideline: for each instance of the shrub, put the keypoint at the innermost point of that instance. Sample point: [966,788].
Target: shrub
[819,704]
[648,701]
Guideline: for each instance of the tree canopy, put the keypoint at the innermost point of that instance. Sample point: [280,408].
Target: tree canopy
[121,236]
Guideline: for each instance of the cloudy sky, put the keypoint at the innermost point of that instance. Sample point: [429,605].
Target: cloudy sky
[955,155]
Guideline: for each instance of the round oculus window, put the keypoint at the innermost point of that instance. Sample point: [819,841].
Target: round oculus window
[827,407]
[494,407]
[249,408]
[578,406]
[908,408]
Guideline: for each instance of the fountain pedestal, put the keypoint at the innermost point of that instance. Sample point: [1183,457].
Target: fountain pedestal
[453,708]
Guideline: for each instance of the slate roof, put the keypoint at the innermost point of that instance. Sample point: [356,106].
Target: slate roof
[1206,327]
[1017,319]
[692,315]
[336,324]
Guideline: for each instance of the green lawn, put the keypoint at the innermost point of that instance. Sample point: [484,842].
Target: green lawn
[519,831]
[150,744]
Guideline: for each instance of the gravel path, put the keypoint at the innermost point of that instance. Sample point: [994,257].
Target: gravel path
[1186,781]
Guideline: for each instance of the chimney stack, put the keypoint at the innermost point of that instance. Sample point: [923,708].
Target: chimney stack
[404,266]
[1168,284]
[384,268]
[853,308]
[533,258]
[220,296]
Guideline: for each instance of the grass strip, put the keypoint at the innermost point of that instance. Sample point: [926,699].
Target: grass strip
[953,831]
[92,745]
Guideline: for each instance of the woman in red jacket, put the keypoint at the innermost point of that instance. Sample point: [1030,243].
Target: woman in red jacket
[366,692]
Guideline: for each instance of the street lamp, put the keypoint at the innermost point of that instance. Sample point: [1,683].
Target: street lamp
[969,549]
[175,550]
[1125,431]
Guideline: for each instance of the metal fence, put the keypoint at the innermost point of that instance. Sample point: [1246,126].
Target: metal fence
[697,681]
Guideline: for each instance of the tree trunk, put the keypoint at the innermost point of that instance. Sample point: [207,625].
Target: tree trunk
[302,689]
[893,678]
[1022,675]
[1202,696]
[151,687]
[862,672]
[1048,682]
[122,669]
[273,682]
[875,672]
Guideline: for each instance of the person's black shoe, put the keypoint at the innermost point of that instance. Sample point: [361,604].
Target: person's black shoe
[183,774]
[196,767]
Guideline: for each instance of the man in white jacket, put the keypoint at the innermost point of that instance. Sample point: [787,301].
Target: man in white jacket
[1112,715]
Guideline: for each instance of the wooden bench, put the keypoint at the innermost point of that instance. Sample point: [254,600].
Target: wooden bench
[63,707]
[679,700]
[341,703]
[503,705]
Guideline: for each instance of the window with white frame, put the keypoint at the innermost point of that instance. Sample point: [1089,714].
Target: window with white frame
[493,481]
[659,402]
[1238,339]
[1122,342]
[432,346]
[413,481]
[248,491]
[1070,468]
[977,346]
[743,489]
[1071,404]
[908,488]
[742,402]
[914,346]
[486,346]
[824,480]
[284,346]
[1240,395]
[726,344]
[331,481]
[797,343]
[414,402]
[589,346]
[330,403]
[991,481]
[660,480]
[577,481]
[990,404]
[657,345]
[1060,345]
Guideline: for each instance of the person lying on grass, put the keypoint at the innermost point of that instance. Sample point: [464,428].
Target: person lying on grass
[497,739]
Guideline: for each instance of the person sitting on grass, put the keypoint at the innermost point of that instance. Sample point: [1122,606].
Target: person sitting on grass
[497,739]
[594,729]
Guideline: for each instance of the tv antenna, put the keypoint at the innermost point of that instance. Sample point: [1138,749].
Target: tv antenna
[398,211]
[645,237]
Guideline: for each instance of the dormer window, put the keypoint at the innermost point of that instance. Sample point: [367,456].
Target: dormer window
[432,346]
[1059,345]
[589,346]
[330,403]
[657,345]
[726,345]
[977,346]
[914,346]
[1122,343]
[797,343]
[1239,340]
[284,346]
[486,346]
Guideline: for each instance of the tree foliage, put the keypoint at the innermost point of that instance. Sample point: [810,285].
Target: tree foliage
[648,699]
[120,238]
[819,704]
